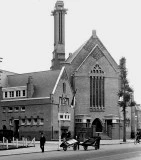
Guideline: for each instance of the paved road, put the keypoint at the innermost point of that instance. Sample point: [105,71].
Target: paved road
[106,152]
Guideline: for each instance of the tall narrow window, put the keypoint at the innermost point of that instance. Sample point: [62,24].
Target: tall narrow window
[64,87]
[18,93]
[23,93]
[5,94]
[97,89]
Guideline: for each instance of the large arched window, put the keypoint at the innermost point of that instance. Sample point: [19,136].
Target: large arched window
[97,89]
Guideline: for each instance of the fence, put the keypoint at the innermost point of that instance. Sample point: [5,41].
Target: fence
[16,143]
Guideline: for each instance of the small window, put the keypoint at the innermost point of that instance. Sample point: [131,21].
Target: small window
[68,116]
[23,108]
[64,87]
[61,116]
[29,121]
[23,93]
[35,121]
[18,93]
[16,109]
[41,121]
[22,121]
[11,93]
[5,94]
[10,109]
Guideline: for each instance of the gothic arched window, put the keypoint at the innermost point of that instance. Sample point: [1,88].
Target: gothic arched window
[97,89]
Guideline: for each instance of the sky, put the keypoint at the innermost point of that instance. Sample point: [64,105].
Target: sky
[27,33]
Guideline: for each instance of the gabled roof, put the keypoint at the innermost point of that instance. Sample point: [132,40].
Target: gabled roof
[84,50]
[72,56]
[43,81]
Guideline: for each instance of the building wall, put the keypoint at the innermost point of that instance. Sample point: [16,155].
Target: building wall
[82,83]
[62,108]
[33,111]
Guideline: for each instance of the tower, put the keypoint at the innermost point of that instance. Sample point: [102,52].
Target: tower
[59,35]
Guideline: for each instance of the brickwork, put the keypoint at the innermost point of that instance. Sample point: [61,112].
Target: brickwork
[40,114]
[92,53]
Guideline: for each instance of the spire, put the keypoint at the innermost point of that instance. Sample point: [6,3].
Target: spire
[59,35]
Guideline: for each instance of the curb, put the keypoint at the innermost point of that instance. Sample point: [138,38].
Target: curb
[59,150]
[25,153]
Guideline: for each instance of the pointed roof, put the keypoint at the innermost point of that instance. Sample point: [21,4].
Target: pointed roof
[80,55]
[72,56]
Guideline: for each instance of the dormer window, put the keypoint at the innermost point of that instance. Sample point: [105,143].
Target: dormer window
[23,93]
[14,92]
[11,93]
[18,93]
[5,94]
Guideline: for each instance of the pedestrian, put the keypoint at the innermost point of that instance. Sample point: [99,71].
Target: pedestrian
[78,141]
[138,136]
[42,142]
[98,141]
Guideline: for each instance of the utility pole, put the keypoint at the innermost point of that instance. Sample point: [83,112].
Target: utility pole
[59,123]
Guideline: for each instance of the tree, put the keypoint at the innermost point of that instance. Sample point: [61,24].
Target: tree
[125,93]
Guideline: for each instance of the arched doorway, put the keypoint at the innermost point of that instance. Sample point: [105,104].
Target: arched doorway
[96,126]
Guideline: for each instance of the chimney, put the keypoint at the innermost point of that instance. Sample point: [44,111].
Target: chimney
[30,87]
[94,33]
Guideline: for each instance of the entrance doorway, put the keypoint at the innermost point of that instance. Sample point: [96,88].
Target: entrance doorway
[96,126]
[109,127]
[16,128]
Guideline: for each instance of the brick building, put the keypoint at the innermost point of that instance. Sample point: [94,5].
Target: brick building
[29,103]
[32,102]
[94,78]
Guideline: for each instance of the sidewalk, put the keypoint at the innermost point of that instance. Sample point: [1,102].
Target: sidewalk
[53,146]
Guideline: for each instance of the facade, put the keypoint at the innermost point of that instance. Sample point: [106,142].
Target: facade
[95,81]
[94,75]
[33,102]
[41,102]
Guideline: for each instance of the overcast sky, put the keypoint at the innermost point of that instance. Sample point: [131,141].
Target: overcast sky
[27,37]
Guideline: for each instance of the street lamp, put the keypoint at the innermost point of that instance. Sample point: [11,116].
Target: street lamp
[135,124]
[59,124]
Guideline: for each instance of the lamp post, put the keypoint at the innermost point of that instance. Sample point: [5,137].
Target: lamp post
[135,125]
[59,124]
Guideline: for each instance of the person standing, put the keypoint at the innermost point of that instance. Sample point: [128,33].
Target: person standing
[98,141]
[42,142]
[78,141]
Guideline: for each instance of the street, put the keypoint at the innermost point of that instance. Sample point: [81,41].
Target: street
[106,152]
